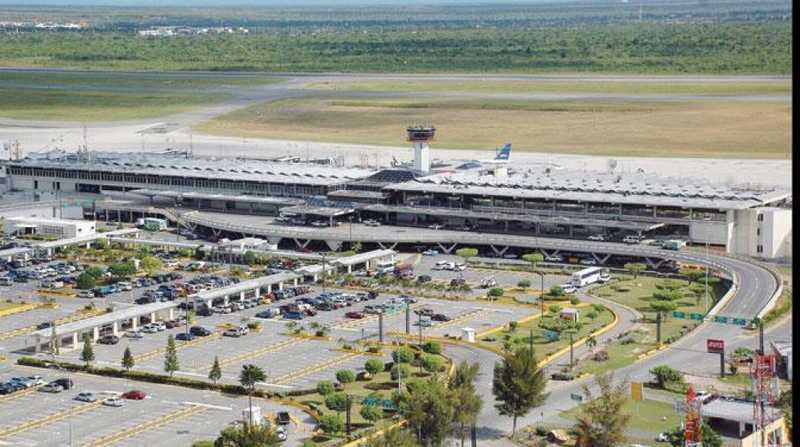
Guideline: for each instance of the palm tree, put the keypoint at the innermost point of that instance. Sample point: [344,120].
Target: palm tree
[250,375]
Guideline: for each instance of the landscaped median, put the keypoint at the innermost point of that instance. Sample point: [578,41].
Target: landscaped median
[9,308]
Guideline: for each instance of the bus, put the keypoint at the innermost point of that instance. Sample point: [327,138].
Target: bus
[587,276]
[154,224]
[383,267]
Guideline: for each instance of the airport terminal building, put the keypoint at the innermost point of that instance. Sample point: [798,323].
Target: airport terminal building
[749,220]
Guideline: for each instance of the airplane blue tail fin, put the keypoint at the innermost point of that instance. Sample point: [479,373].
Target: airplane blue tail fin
[504,153]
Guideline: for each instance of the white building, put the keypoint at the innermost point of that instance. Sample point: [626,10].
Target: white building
[60,228]
[764,232]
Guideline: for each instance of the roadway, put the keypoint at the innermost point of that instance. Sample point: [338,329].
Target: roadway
[756,284]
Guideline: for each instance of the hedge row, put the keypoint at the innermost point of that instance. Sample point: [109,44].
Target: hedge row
[144,376]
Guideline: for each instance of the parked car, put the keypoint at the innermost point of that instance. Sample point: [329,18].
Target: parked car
[596,237]
[588,261]
[430,252]
[424,278]
[108,340]
[425,312]
[86,396]
[184,336]
[134,395]
[440,317]
[435,226]
[52,388]
[44,325]
[64,383]
[134,334]
[113,402]
[233,332]
[199,331]
[354,314]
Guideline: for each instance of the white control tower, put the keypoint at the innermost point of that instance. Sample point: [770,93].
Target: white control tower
[420,136]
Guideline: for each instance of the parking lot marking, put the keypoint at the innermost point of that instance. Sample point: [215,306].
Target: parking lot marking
[50,418]
[460,318]
[299,374]
[18,394]
[150,424]
[188,344]
[366,320]
[213,407]
[253,354]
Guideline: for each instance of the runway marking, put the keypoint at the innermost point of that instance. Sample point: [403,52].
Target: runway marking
[50,418]
[151,424]
[314,368]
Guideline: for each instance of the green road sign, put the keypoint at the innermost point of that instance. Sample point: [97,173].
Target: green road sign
[678,314]
[720,319]
[695,316]
[551,335]
[740,321]
[576,397]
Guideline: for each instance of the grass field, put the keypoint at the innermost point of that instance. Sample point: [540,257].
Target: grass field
[626,86]
[647,416]
[637,293]
[63,104]
[110,97]
[737,129]
[520,337]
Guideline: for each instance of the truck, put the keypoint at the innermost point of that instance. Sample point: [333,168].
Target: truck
[674,244]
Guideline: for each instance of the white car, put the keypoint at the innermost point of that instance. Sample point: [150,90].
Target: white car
[596,237]
[232,332]
[113,402]
[568,288]
[554,258]
[430,252]
[436,226]
[149,328]
[280,432]
[52,388]
[134,334]
[441,265]
[372,223]
[662,437]
[631,239]
[460,267]
[160,326]
[588,261]
[510,256]
[604,277]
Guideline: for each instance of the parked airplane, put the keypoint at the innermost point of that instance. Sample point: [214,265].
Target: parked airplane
[502,155]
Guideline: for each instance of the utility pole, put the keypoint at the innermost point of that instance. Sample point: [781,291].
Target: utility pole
[380,327]
[706,288]
[408,318]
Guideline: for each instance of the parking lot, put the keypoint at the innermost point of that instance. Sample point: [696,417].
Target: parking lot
[185,415]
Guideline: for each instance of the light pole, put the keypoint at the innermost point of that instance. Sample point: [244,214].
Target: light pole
[541,296]
[706,288]
[323,273]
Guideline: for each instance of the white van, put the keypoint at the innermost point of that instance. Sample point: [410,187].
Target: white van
[441,265]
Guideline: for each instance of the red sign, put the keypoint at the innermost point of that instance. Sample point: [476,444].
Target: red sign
[715,346]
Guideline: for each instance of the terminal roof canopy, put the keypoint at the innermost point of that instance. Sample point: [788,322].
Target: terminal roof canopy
[636,188]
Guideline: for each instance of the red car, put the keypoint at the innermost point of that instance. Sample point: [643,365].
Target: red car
[134,395]
[354,314]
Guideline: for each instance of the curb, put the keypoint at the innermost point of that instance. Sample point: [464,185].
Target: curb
[581,341]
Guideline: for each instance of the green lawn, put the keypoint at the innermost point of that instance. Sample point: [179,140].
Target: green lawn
[637,293]
[520,336]
[630,87]
[649,416]
[96,105]
[180,81]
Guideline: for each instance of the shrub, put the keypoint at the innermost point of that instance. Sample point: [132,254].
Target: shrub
[512,326]
[371,413]
[432,363]
[556,291]
[432,347]
[336,402]
[541,431]
[495,292]
[566,376]
[574,300]
[345,376]
[665,375]
[402,355]
[373,366]
[253,325]
[524,284]
[591,315]
[600,356]
[331,423]
[325,387]
[400,371]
